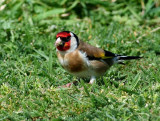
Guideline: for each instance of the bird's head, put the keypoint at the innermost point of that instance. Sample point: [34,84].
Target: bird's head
[66,41]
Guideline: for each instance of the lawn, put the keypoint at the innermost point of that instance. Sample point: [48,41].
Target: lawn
[30,73]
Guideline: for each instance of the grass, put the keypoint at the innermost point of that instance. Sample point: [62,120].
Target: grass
[30,75]
[30,72]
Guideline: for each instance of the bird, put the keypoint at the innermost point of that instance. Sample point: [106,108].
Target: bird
[84,60]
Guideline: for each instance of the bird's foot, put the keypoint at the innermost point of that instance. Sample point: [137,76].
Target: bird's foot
[69,85]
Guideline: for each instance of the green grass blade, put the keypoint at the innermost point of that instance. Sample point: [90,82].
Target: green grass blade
[50,13]
[50,62]
[42,54]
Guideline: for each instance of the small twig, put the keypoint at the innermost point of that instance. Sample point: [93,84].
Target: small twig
[154,30]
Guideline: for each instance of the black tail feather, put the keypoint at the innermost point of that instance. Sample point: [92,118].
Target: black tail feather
[128,57]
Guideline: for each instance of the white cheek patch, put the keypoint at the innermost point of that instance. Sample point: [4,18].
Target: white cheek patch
[73,44]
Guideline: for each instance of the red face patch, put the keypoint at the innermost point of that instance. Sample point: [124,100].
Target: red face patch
[63,34]
[64,47]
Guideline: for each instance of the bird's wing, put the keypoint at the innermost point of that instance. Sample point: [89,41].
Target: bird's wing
[94,53]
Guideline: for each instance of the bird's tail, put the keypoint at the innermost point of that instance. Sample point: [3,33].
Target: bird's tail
[119,58]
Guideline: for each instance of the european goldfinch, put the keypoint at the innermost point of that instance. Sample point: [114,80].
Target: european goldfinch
[82,59]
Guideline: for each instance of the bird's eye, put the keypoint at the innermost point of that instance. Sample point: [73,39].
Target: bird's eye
[65,39]
[68,38]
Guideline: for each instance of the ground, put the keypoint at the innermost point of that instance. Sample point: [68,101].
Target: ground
[30,73]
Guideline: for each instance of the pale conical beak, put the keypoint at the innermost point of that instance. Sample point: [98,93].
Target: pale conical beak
[58,42]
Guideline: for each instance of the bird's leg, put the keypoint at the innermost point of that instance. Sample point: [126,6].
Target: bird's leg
[92,80]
